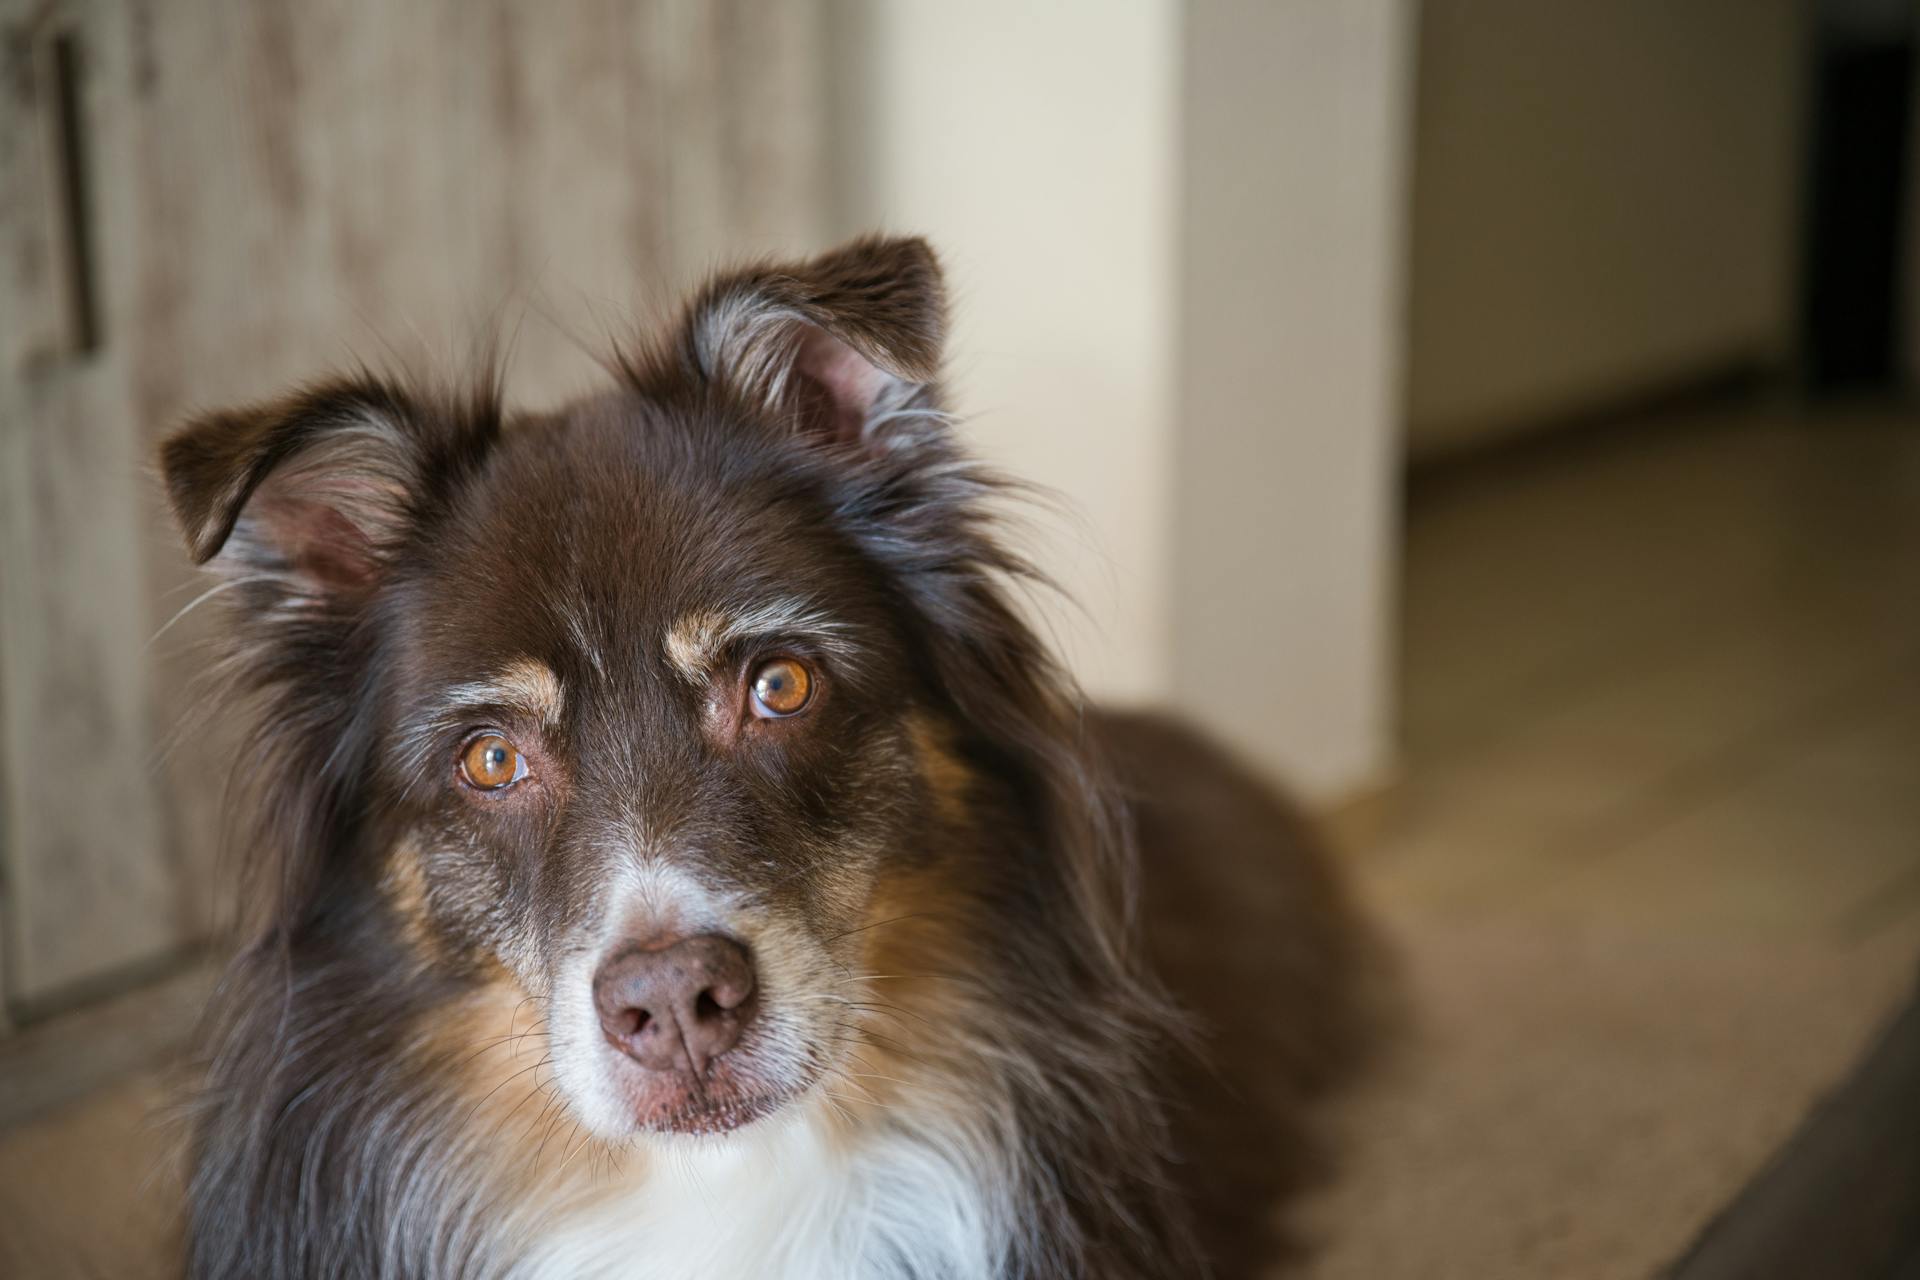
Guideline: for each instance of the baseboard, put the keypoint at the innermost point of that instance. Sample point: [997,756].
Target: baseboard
[1731,378]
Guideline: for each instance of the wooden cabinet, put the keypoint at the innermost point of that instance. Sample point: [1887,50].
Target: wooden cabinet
[201,203]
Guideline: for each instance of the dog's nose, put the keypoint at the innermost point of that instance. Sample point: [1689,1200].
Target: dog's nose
[677,1007]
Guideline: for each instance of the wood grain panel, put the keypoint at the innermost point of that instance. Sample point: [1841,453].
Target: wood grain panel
[89,888]
[285,187]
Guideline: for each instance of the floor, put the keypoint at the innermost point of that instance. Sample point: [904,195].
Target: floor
[1654,871]
[1655,866]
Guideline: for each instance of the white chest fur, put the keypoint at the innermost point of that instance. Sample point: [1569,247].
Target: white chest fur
[794,1199]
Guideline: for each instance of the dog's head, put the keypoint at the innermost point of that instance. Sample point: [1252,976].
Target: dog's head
[654,704]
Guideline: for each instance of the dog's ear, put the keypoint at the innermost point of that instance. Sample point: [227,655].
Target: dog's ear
[312,492]
[834,344]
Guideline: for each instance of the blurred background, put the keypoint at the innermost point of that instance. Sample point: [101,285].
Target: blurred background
[1494,417]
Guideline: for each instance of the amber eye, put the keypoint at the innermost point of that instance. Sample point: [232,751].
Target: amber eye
[781,687]
[490,762]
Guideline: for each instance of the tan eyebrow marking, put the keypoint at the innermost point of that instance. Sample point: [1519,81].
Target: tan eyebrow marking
[696,639]
[523,683]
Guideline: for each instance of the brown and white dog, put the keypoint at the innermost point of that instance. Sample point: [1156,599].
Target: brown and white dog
[676,858]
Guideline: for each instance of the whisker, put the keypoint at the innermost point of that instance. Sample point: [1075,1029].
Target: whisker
[863,1102]
[914,915]
[586,1139]
[212,591]
[958,979]
[503,1084]
[875,1075]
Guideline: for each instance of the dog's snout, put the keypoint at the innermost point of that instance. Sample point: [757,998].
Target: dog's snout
[677,1007]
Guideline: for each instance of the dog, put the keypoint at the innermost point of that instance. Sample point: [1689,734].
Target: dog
[672,854]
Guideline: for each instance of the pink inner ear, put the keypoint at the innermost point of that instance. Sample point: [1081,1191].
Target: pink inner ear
[321,543]
[851,383]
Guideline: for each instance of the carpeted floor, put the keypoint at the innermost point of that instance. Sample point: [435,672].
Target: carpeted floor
[90,1191]
[1656,866]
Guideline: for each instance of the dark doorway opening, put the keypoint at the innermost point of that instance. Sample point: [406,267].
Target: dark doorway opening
[1858,183]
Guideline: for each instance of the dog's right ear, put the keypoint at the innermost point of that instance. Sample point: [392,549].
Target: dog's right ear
[313,492]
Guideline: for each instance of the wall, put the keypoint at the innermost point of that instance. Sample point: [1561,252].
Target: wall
[1031,144]
[1604,201]
[1294,139]
[1172,230]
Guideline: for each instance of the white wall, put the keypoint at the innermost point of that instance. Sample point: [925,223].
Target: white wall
[1294,133]
[1604,201]
[1032,144]
[1172,228]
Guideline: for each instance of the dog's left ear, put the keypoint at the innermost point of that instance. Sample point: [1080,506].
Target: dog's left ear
[834,344]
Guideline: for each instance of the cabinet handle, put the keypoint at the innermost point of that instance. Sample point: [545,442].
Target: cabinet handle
[74,191]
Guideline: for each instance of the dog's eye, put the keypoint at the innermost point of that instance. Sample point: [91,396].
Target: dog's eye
[781,687]
[490,762]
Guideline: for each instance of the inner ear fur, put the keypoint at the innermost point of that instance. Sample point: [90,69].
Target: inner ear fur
[315,488]
[833,342]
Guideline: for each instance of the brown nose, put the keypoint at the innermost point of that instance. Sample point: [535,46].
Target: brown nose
[678,1007]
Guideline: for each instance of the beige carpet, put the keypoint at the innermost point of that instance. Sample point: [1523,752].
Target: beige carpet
[91,1190]
[1656,865]
[1579,1102]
